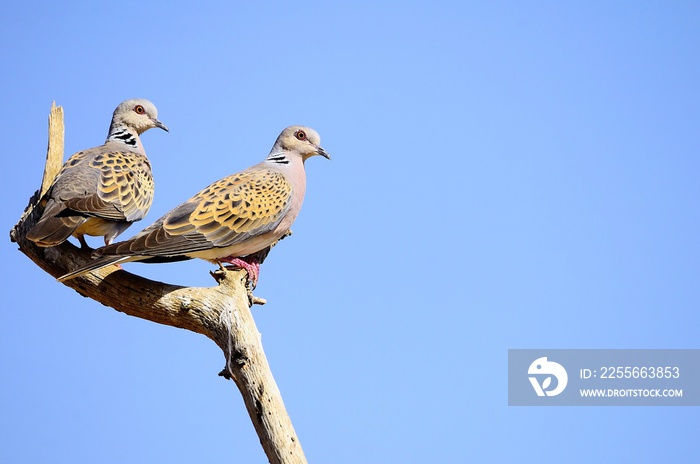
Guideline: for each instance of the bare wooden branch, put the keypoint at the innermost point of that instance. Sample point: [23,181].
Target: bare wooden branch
[54,152]
[221,313]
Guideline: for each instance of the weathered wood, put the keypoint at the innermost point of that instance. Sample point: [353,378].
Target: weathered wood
[221,313]
[54,152]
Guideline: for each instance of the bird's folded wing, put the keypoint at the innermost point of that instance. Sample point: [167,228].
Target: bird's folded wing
[226,213]
[114,185]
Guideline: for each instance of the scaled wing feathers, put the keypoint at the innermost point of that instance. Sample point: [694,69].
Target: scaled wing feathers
[115,185]
[226,213]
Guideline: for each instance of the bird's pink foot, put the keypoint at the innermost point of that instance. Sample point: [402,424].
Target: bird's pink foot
[252,268]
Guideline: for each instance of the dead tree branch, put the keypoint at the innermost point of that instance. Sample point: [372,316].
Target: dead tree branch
[221,313]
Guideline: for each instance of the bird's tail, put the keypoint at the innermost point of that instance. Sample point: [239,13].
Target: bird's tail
[96,264]
[52,231]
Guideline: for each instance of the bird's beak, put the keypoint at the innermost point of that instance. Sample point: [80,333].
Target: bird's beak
[160,125]
[322,152]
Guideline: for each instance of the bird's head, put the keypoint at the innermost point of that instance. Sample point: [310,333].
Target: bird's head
[139,114]
[302,140]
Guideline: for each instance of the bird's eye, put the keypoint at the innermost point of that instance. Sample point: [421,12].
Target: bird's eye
[139,109]
[301,135]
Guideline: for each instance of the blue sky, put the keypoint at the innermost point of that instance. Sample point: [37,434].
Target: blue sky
[504,175]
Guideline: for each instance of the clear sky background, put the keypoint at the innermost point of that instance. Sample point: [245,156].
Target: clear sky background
[504,175]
